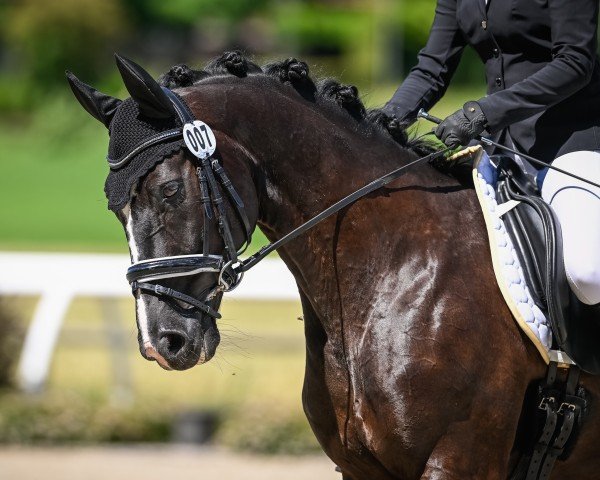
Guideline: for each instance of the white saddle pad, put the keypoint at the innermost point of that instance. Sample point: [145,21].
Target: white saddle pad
[507,267]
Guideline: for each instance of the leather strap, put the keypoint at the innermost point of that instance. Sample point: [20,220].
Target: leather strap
[547,451]
[235,199]
[549,405]
[218,204]
[559,442]
[160,291]
[336,207]
[207,206]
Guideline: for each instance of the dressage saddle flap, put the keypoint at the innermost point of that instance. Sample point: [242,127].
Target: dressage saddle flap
[536,233]
[537,237]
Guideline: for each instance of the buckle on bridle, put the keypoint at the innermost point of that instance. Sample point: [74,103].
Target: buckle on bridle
[228,284]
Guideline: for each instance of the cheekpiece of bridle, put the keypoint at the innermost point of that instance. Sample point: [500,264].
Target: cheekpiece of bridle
[144,275]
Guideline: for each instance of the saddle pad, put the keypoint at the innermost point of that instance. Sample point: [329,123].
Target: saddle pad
[507,267]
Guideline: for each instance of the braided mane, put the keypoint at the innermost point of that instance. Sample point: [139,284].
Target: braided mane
[295,73]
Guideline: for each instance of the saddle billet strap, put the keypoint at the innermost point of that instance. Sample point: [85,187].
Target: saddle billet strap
[549,405]
[572,380]
[559,443]
[160,291]
[564,409]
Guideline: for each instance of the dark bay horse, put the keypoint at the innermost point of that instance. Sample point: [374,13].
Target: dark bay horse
[415,368]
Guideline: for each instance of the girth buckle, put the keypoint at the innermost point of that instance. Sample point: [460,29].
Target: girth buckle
[566,406]
[546,401]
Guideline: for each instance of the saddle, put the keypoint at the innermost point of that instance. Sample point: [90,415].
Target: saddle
[526,244]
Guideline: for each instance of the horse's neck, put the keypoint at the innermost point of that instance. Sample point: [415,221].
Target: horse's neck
[303,159]
[305,164]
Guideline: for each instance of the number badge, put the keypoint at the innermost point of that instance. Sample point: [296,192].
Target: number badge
[199,139]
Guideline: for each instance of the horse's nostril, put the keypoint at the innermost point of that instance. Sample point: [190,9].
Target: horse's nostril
[171,343]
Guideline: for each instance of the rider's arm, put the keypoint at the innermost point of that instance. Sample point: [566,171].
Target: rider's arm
[427,82]
[574,26]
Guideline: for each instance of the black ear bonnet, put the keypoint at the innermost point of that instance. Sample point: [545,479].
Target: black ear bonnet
[130,129]
[144,129]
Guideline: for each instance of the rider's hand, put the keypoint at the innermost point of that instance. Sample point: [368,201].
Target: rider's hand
[462,126]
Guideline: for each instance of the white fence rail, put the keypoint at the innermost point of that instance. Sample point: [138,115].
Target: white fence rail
[58,278]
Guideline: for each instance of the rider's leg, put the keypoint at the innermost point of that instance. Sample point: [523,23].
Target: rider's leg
[577,206]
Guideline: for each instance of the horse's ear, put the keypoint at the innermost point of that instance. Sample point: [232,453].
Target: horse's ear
[144,89]
[100,106]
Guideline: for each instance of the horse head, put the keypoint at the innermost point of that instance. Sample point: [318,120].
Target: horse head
[188,198]
[184,231]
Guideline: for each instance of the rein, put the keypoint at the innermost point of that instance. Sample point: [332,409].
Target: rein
[251,261]
[228,269]
[423,114]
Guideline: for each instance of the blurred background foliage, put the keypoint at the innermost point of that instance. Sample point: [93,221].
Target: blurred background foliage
[56,151]
[368,41]
[51,198]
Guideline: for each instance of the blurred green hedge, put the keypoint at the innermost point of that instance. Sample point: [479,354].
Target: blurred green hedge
[68,418]
[362,41]
[267,429]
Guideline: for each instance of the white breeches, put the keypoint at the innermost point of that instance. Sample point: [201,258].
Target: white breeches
[577,206]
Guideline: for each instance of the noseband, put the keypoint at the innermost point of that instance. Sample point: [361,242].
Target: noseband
[212,179]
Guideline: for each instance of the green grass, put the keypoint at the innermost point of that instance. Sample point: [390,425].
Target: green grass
[53,171]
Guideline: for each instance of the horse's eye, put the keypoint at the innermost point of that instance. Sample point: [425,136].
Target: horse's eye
[170,189]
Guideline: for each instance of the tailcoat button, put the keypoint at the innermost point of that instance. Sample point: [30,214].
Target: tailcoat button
[496,52]
[484,24]
[498,81]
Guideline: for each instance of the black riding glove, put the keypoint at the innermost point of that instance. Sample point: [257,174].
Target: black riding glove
[462,126]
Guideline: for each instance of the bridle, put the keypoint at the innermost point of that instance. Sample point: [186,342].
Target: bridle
[212,179]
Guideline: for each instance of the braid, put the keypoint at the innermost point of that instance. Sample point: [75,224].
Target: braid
[233,63]
[181,76]
[294,73]
[346,96]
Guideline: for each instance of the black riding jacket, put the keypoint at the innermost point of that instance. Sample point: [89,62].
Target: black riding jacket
[541,65]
